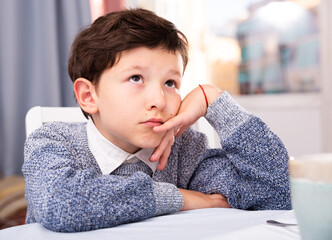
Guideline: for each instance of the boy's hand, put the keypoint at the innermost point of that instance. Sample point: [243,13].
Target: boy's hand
[162,152]
[197,200]
[192,108]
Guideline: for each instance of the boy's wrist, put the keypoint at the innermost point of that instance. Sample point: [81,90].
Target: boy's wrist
[168,198]
[196,200]
[211,92]
[226,110]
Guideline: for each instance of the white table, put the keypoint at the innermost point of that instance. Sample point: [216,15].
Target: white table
[213,223]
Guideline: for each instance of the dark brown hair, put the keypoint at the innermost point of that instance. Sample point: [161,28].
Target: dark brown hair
[99,46]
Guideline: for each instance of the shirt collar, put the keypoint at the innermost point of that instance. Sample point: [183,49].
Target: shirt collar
[109,157]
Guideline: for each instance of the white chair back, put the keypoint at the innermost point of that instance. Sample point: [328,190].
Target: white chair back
[37,116]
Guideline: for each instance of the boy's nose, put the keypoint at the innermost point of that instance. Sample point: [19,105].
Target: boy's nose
[155,98]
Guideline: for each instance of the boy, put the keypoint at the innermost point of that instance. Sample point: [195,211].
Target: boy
[127,69]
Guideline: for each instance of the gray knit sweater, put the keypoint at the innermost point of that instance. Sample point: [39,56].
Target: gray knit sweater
[66,190]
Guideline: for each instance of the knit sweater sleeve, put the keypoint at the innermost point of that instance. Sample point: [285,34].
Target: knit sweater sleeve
[251,167]
[65,193]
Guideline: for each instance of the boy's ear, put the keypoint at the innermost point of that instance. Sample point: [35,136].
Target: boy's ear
[85,93]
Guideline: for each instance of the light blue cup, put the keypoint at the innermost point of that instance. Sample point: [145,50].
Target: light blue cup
[311,191]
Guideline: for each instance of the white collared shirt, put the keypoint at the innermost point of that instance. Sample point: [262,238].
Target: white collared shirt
[109,157]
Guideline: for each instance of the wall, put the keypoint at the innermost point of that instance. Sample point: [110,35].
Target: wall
[295,118]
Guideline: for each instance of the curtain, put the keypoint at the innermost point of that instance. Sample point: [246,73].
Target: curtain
[34,45]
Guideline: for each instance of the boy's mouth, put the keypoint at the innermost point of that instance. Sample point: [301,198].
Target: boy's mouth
[152,122]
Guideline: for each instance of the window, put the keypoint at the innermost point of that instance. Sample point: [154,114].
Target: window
[249,46]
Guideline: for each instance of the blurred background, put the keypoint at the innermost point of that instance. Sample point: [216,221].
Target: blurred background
[274,57]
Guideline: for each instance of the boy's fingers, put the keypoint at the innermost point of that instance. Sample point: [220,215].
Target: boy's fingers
[171,123]
[181,130]
[156,154]
[167,140]
[164,157]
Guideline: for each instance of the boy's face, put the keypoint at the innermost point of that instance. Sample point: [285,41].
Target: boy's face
[139,92]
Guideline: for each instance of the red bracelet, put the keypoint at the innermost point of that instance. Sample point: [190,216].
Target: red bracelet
[206,101]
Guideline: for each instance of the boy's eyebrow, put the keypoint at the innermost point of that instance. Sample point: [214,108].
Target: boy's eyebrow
[135,67]
[175,72]
[138,67]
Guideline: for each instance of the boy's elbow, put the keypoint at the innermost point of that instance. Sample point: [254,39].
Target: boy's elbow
[54,226]
[280,201]
[69,217]
[51,220]
[59,224]
[284,201]
[58,218]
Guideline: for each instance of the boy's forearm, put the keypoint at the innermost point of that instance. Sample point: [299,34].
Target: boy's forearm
[75,205]
[167,197]
[225,115]
[63,196]
[251,168]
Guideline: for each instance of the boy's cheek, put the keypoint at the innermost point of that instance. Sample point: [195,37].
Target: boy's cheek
[173,113]
[175,105]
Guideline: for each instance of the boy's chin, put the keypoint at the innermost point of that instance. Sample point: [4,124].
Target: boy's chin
[150,144]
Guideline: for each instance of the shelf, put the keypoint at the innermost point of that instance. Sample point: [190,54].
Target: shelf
[287,100]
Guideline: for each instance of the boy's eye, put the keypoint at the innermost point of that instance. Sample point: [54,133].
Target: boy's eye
[136,79]
[170,83]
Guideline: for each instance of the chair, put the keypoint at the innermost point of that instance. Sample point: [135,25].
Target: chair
[37,116]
